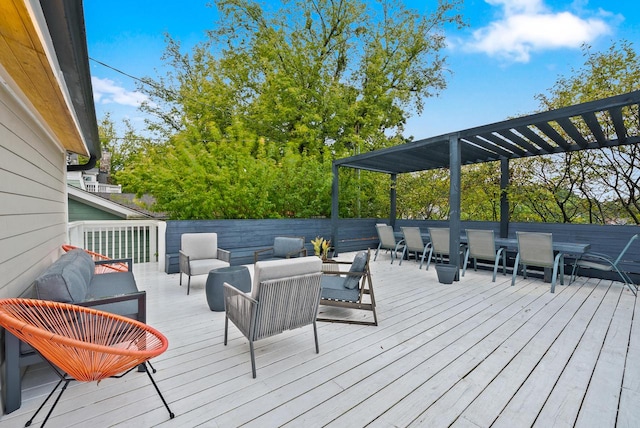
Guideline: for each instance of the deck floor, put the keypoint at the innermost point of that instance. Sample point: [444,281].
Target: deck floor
[470,354]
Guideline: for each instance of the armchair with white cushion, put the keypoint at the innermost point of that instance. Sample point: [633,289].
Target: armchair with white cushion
[199,253]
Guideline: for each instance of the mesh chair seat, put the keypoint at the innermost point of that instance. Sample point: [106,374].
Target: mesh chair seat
[87,344]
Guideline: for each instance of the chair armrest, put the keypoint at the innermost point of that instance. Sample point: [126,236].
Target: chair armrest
[256,254]
[140,296]
[301,252]
[184,263]
[240,308]
[600,256]
[126,263]
[224,255]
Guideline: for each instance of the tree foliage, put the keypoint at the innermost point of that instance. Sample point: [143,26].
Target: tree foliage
[595,186]
[253,116]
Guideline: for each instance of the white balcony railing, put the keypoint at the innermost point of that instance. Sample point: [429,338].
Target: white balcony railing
[141,240]
[95,187]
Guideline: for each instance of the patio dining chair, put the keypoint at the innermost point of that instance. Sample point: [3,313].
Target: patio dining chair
[413,243]
[81,343]
[481,244]
[388,241]
[602,262]
[536,249]
[440,244]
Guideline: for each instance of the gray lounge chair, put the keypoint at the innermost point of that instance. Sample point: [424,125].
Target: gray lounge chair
[347,289]
[440,245]
[388,241]
[481,244]
[536,249]
[603,262]
[413,243]
[285,295]
[284,247]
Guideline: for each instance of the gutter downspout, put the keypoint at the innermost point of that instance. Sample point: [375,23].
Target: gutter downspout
[85,166]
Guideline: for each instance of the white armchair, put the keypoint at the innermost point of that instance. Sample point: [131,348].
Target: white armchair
[199,253]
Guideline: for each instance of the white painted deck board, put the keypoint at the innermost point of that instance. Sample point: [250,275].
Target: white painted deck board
[473,353]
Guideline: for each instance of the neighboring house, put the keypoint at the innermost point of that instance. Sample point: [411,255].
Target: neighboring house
[85,205]
[88,180]
[46,111]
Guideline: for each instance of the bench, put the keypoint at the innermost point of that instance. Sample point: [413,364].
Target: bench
[71,279]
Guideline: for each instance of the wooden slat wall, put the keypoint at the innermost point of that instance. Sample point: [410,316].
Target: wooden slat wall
[33,198]
[242,237]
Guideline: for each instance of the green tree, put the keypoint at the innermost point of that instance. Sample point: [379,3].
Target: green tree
[313,81]
[599,177]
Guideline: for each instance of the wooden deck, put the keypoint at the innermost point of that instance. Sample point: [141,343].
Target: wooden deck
[474,353]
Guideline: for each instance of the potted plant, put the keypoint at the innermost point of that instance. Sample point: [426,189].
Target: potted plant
[321,247]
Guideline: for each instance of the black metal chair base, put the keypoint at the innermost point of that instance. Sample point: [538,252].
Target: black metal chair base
[66,380]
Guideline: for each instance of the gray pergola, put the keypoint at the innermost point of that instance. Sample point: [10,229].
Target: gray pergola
[592,125]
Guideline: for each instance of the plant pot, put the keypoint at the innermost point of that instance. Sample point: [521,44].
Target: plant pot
[446,273]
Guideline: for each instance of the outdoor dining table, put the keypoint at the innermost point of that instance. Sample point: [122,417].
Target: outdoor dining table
[576,249]
[573,248]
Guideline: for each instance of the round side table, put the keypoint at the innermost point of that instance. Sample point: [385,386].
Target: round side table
[238,276]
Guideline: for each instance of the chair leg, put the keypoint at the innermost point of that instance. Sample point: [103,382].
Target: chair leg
[429,258]
[315,335]
[64,387]
[404,250]
[376,255]
[226,329]
[515,269]
[180,278]
[188,285]
[466,260]
[253,359]
[171,415]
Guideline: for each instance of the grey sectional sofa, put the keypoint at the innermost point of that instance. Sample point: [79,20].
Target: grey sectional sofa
[71,279]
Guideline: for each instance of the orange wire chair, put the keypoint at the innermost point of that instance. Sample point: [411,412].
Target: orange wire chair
[81,343]
[103,267]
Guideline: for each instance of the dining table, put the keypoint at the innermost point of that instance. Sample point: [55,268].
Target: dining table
[565,247]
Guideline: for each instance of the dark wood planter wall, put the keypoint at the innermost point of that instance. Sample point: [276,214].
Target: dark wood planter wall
[243,237]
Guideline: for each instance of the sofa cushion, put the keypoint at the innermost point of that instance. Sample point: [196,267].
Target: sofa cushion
[284,246]
[67,279]
[114,284]
[358,265]
[201,267]
[333,288]
[275,269]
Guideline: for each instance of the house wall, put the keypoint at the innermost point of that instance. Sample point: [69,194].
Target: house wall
[79,212]
[33,213]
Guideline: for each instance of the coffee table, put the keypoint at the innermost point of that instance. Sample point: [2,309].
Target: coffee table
[238,276]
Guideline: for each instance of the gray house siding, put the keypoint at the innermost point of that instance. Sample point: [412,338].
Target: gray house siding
[33,213]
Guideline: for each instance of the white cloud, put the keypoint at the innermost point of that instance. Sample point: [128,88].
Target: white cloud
[106,91]
[529,26]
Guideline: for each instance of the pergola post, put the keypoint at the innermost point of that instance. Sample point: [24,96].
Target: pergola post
[504,199]
[334,207]
[454,199]
[392,198]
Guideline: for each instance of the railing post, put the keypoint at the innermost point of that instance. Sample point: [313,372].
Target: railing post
[162,244]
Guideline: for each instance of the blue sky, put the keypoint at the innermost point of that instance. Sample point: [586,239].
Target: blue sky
[511,51]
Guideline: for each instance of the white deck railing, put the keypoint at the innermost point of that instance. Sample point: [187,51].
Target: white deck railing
[95,187]
[141,240]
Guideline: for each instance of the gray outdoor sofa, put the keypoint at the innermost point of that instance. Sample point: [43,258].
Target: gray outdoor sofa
[70,279]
